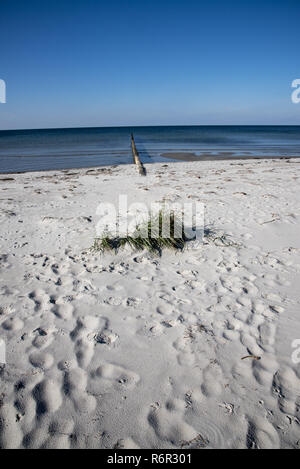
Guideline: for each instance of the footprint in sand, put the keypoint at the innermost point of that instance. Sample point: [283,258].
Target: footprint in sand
[47,396]
[126,443]
[84,343]
[41,360]
[60,431]
[75,383]
[213,380]
[40,298]
[12,324]
[43,336]
[286,386]
[262,435]
[169,425]
[10,429]
[62,310]
[89,332]
[117,375]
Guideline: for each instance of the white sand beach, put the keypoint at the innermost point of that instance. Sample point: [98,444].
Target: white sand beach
[132,350]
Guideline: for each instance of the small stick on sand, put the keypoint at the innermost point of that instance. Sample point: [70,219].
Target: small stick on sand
[251,356]
[270,221]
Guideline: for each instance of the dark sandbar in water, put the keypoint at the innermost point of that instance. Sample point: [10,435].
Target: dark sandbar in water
[186,156]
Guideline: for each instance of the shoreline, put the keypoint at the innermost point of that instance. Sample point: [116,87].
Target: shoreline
[168,158]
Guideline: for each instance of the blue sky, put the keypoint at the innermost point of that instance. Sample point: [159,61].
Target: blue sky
[94,63]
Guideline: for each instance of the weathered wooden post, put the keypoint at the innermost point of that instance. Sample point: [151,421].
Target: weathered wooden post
[136,158]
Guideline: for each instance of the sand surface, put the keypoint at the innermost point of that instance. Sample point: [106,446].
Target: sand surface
[131,350]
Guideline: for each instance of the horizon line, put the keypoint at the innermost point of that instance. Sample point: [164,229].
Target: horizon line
[152,125]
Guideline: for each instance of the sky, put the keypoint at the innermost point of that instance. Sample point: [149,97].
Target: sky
[96,63]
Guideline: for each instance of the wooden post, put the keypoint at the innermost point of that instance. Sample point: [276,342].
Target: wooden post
[136,158]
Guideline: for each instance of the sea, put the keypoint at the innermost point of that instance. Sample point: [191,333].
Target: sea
[46,149]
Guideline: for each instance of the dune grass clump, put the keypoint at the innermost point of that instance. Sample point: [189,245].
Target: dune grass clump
[150,235]
[163,230]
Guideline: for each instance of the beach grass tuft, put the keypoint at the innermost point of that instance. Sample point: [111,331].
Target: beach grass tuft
[149,235]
